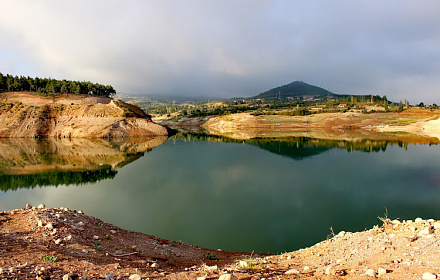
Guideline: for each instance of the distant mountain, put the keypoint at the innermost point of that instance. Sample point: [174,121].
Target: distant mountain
[296,89]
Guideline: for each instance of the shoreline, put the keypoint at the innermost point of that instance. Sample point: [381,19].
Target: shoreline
[43,243]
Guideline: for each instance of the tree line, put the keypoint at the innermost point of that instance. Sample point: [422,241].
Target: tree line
[49,85]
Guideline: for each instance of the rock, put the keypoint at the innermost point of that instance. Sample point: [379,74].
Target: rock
[228,277]
[306,268]
[154,265]
[135,277]
[71,276]
[329,270]
[112,231]
[370,272]
[109,276]
[58,241]
[49,226]
[80,212]
[243,264]
[28,206]
[437,225]
[40,223]
[418,220]
[426,231]
[201,278]
[41,206]
[428,276]
[96,237]
[291,271]
[381,271]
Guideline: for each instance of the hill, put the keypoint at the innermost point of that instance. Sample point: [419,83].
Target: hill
[24,114]
[296,90]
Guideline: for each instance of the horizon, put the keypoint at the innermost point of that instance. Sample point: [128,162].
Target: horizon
[228,49]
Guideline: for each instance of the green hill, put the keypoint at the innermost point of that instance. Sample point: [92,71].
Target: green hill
[296,90]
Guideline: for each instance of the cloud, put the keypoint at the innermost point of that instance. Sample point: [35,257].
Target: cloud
[228,48]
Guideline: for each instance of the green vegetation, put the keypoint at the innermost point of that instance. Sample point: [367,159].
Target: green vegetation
[210,257]
[50,258]
[54,178]
[45,86]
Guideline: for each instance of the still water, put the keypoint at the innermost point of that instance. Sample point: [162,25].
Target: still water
[258,195]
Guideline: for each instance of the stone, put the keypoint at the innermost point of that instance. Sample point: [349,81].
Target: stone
[112,231]
[41,206]
[135,277]
[329,270]
[370,272]
[71,276]
[80,212]
[381,271]
[58,241]
[96,237]
[68,238]
[428,276]
[418,220]
[49,226]
[109,276]
[154,265]
[40,223]
[437,225]
[28,206]
[228,277]
[426,231]
[201,278]
[291,271]
[306,268]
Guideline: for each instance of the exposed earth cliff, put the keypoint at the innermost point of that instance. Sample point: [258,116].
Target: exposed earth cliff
[66,116]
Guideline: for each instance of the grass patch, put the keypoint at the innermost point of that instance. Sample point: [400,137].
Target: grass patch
[50,258]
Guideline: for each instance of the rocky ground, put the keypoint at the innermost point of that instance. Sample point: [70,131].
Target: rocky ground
[414,125]
[58,243]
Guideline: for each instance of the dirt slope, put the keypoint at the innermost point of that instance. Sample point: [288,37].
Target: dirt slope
[67,116]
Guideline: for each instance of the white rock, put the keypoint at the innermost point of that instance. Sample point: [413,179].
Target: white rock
[201,278]
[243,264]
[381,271]
[306,268]
[81,224]
[292,271]
[96,237]
[135,277]
[437,225]
[41,206]
[40,223]
[426,231]
[69,237]
[418,220]
[329,270]
[113,231]
[228,277]
[154,265]
[428,276]
[81,212]
[49,226]
[58,241]
[370,272]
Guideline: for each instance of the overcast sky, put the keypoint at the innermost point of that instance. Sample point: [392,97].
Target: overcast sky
[228,48]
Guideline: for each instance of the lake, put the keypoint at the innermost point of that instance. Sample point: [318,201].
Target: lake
[261,195]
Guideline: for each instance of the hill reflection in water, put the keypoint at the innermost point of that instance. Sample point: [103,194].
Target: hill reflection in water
[299,148]
[28,163]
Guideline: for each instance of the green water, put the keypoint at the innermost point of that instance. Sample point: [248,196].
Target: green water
[260,195]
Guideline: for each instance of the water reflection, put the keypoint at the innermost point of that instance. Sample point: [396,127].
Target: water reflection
[302,147]
[27,163]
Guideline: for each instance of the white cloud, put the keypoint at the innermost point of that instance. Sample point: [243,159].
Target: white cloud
[229,48]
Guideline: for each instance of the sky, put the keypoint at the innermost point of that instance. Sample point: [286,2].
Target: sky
[228,48]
